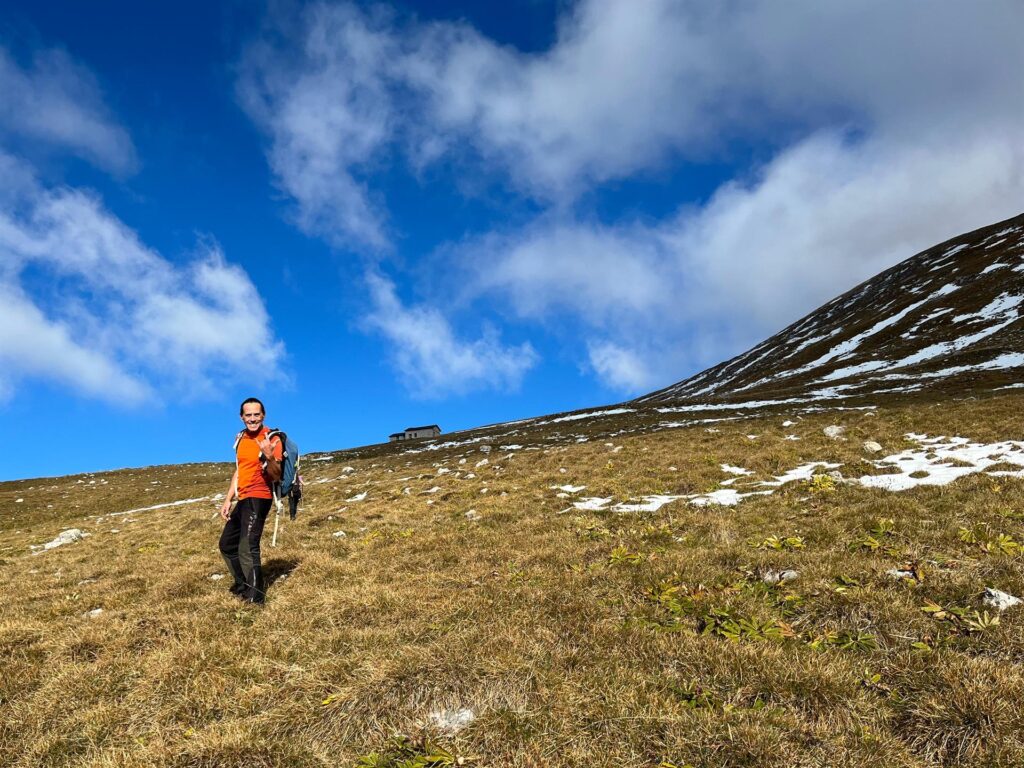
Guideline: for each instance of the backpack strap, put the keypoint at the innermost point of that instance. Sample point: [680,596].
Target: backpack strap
[238,439]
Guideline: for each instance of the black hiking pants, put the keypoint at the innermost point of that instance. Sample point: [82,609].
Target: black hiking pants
[240,546]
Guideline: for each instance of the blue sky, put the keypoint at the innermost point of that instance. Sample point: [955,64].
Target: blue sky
[379,215]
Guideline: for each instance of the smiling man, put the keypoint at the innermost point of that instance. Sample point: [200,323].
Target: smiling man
[257,467]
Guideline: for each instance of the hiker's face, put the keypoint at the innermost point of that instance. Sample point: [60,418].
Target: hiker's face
[252,417]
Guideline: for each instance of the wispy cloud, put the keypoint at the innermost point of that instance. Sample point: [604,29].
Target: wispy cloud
[57,102]
[621,369]
[326,104]
[88,305]
[430,359]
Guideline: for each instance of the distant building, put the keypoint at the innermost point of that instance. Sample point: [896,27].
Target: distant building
[414,433]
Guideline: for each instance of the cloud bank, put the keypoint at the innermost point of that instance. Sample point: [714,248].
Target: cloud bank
[885,128]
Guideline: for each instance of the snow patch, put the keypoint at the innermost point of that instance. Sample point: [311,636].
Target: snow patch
[592,504]
[736,470]
[727,497]
[452,720]
[935,471]
[161,506]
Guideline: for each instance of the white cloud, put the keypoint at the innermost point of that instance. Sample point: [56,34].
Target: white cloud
[327,108]
[57,101]
[827,214]
[431,360]
[33,345]
[622,369]
[91,307]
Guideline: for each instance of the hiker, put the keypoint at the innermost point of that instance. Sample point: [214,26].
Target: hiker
[257,466]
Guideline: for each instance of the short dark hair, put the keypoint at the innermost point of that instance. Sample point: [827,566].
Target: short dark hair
[241,408]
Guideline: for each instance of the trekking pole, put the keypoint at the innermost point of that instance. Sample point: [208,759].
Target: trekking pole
[277,519]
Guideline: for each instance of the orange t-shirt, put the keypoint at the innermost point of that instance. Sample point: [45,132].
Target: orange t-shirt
[252,483]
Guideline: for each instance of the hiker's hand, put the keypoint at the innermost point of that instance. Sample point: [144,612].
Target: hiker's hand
[225,509]
[266,447]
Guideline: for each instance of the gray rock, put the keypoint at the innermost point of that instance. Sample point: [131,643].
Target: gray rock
[999,600]
[835,431]
[69,536]
[779,577]
[900,573]
[871,446]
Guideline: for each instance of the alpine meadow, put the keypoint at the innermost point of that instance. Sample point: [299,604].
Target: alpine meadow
[534,384]
[809,555]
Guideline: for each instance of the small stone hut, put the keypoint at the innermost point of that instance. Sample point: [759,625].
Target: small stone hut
[415,433]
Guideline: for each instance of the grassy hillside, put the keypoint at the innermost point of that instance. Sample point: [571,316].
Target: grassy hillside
[469,613]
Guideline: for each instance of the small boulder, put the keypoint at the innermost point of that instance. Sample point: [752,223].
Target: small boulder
[779,577]
[999,600]
[898,574]
[835,432]
[70,536]
[871,446]
[472,515]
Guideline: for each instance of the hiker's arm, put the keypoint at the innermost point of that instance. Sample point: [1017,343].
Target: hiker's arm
[225,508]
[272,459]
[274,469]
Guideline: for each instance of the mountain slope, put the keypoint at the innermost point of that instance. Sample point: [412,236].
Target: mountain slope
[947,317]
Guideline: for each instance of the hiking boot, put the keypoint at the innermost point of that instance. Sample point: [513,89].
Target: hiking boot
[238,589]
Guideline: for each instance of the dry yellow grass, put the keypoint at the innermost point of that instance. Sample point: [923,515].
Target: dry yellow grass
[576,638]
